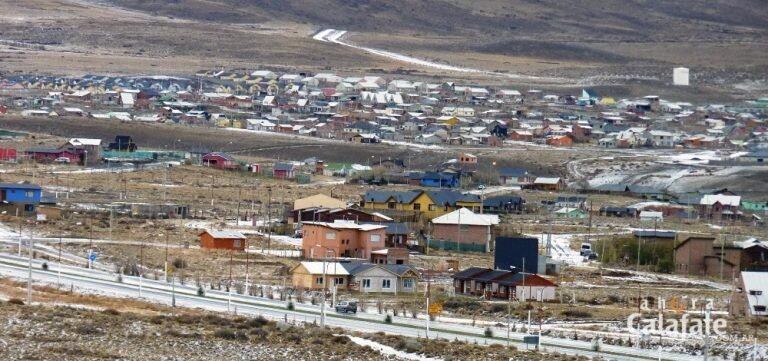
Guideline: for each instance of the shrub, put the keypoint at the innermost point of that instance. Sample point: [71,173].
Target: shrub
[488,332]
[342,340]
[200,291]
[88,329]
[110,311]
[257,322]
[15,301]
[498,307]
[225,333]
[290,306]
[179,263]
[412,345]
[388,319]
[45,266]
[259,334]
[576,314]
[230,334]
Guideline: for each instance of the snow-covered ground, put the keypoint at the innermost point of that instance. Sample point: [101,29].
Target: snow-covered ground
[561,247]
[412,145]
[493,190]
[389,351]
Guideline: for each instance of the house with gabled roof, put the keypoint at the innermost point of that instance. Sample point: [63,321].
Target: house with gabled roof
[464,230]
[503,284]
[220,160]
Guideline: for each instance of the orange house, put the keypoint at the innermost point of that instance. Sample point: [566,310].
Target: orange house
[214,239]
[342,239]
[560,141]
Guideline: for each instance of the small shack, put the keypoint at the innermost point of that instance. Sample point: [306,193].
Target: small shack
[217,239]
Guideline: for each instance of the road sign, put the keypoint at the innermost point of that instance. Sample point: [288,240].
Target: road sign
[92,256]
[435,309]
[531,340]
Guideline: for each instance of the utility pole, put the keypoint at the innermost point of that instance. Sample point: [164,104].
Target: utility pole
[166,256]
[322,305]
[29,277]
[269,220]
[213,183]
[20,224]
[722,251]
[458,233]
[246,266]
[58,277]
[509,314]
[429,286]
[111,217]
[239,192]
[141,265]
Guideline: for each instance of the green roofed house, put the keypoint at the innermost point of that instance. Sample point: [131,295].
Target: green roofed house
[337,169]
[568,212]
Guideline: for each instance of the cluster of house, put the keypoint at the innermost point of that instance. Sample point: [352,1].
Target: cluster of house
[364,249]
[369,109]
[714,206]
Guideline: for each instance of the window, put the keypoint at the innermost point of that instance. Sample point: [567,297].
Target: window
[755,292]
[391,205]
[375,238]
[236,243]
[29,208]
[29,194]
[407,283]
[759,308]
[366,283]
[464,227]
[319,280]
[417,206]
[385,283]
[431,207]
[330,235]
[338,281]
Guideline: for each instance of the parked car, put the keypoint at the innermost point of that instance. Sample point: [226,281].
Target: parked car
[63,160]
[481,187]
[346,307]
[586,249]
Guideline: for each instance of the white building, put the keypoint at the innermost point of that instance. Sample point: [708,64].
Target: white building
[680,76]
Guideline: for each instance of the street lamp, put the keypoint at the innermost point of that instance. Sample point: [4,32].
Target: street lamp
[325,282]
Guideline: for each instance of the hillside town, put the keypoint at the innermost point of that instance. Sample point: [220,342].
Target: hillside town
[551,255]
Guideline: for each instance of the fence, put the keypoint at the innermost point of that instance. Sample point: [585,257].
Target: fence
[455,246]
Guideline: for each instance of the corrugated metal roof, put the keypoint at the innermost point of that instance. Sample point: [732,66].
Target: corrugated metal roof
[756,291]
[225,234]
[467,217]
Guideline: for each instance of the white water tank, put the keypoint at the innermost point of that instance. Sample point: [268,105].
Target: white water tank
[680,76]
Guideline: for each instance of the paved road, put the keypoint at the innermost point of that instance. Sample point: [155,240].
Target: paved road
[104,283]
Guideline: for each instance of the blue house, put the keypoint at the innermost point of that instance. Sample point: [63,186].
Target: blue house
[21,197]
[440,180]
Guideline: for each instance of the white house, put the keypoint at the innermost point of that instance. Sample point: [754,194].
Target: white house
[385,278]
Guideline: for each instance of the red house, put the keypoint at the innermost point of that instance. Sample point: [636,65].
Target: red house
[284,171]
[7,154]
[220,161]
[560,140]
[213,239]
[520,135]
[47,155]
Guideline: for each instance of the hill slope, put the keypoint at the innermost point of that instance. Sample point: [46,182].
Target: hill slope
[638,20]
